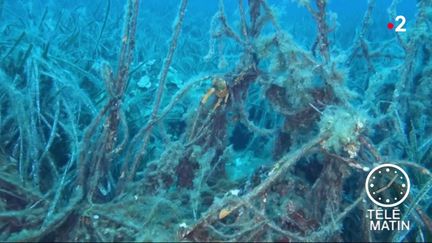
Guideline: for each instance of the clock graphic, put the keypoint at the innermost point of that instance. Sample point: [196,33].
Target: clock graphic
[387,185]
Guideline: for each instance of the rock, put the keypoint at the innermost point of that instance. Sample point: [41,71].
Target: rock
[144,82]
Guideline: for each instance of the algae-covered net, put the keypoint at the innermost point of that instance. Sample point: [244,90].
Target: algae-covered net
[212,120]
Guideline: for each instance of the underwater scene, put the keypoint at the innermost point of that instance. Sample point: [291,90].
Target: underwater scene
[216,120]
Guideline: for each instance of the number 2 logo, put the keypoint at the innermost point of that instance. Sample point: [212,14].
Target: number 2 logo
[400,27]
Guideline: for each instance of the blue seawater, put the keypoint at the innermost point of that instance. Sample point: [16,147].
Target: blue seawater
[216,120]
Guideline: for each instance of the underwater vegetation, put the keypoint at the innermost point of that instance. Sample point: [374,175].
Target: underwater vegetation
[240,121]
